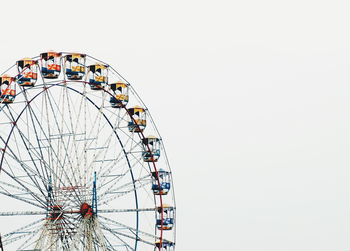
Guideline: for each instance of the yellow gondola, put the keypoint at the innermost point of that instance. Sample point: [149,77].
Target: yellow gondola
[120,96]
[97,75]
[137,121]
[74,65]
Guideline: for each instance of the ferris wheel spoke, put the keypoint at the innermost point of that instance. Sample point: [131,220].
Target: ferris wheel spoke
[21,134]
[131,229]
[28,230]
[19,189]
[63,166]
[131,139]
[138,161]
[25,188]
[29,241]
[108,224]
[40,147]
[68,145]
[115,178]
[120,176]
[23,228]
[109,244]
[103,174]
[121,119]
[101,157]
[52,105]
[19,237]
[118,236]
[27,168]
[22,213]
[34,157]
[111,189]
[55,154]
[119,157]
[107,211]
[97,148]
[105,200]
[37,173]
[74,128]
[35,152]
[31,201]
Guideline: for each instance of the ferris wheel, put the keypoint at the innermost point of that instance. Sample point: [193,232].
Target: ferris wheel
[82,165]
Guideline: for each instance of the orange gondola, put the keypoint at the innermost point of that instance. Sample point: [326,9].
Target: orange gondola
[50,64]
[8,90]
[27,72]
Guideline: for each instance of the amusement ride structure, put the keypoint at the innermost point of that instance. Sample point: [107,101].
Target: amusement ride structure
[82,165]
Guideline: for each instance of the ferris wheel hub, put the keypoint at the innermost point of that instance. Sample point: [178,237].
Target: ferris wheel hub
[86,210]
[56,213]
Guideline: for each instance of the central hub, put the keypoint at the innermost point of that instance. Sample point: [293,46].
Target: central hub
[56,213]
[86,210]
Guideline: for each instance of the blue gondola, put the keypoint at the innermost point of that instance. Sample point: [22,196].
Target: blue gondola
[161,187]
[151,149]
[165,245]
[167,222]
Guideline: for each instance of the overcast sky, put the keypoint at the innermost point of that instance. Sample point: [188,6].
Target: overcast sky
[250,97]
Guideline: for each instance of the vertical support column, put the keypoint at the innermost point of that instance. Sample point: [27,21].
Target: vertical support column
[49,198]
[94,196]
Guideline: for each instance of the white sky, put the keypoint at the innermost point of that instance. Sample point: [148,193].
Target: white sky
[251,98]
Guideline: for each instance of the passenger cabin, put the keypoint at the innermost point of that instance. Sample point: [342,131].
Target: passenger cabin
[168,217]
[151,149]
[98,76]
[137,121]
[8,90]
[50,64]
[27,72]
[161,182]
[120,96]
[74,66]
[164,245]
